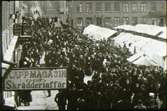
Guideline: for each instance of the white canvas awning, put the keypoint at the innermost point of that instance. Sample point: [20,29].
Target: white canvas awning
[8,56]
[143,59]
[154,49]
[9,53]
[146,29]
[97,33]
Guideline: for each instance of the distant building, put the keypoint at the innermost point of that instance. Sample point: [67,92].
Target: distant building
[107,13]
[110,13]
[49,9]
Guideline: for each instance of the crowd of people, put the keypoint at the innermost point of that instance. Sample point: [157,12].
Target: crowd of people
[116,83]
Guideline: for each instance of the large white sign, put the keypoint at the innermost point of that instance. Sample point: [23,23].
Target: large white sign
[39,78]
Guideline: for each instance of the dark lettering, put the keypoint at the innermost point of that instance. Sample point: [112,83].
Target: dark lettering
[59,84]
[32,84]
[51,83]
[40,85]
[39,75]
[26,74]
[44,74]
[11,75]
[8,84]
[19,74]
[36,85]
[50,74]
[64,85]
[32,74]
[47,85]
[55,84]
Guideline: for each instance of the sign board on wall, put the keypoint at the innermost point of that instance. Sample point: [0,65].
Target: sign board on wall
[36,79]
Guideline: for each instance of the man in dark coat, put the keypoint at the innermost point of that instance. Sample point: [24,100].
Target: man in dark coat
[60,99]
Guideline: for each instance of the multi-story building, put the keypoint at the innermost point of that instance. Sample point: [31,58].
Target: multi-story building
[46,8]
[55,9]
[110,13]
[10,50]
[107,13]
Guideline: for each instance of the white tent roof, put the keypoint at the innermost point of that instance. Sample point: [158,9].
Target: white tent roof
[153,49]
[97,33]
[134,57]
[147,29]
[9,53]
[145,60]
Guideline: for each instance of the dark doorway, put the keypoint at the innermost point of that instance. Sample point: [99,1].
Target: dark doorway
[161,23]
[99,21]
[134,21]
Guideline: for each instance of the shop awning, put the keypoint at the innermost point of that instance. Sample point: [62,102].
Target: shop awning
[8,56]
[9,53]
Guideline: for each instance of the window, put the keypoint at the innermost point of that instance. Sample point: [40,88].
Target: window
[99,21]
[116,6]
[107,7]
[143,7]
[134,20]
[107,21]
[144,20]
[80,8]
[88,20]
[116,21]
[99,6]
[153,7]
[134,7]
[161,23]
[125,20]
[79,21]
[88,7]
[126,7]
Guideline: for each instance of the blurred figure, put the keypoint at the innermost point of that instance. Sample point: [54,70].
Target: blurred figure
[140,105]
[49,93]
[60,99]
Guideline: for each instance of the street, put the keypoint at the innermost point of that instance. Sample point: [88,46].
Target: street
[84,55]
[40,101]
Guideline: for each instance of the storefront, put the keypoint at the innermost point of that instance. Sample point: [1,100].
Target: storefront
[8,61]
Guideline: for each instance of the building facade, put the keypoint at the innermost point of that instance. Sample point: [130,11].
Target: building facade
[7,11]
[46,8]
[107,13]
[110,13]
[10,49]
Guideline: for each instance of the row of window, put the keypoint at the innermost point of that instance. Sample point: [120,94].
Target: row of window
[107,21]
[142,7]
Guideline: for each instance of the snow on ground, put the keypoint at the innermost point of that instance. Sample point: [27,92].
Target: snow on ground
[40,101]
[97,33]
[10,101]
